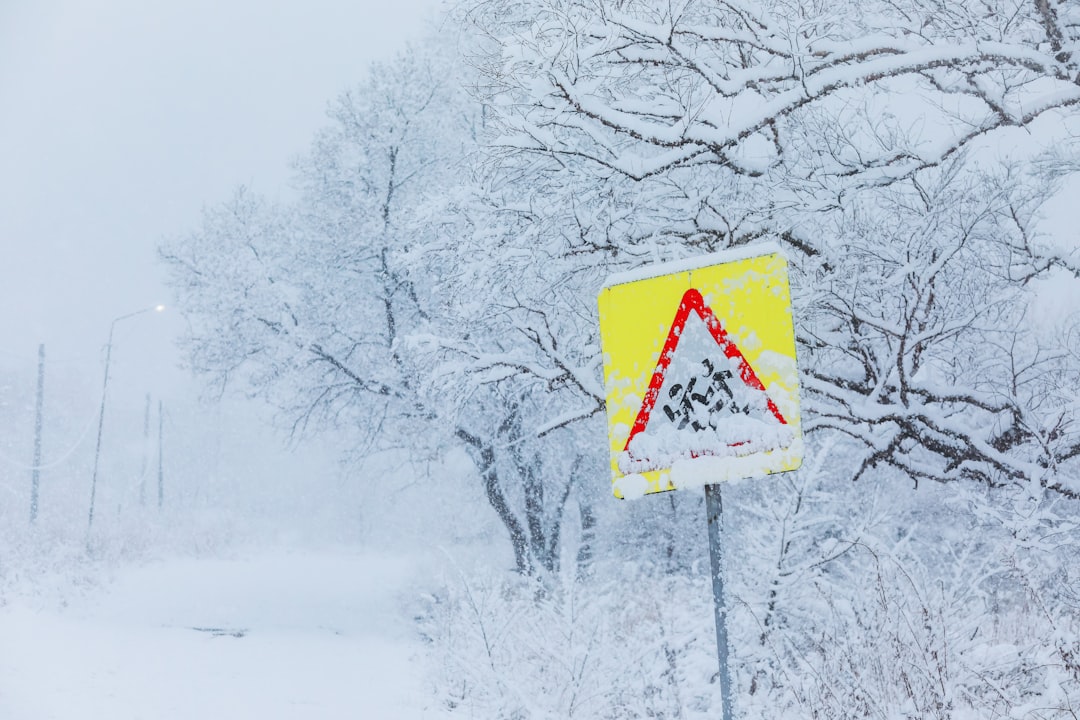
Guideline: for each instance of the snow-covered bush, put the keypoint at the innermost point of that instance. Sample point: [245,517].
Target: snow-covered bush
[847,600]
[508,647]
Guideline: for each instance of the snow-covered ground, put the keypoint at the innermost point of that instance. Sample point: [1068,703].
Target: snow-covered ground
[268,635]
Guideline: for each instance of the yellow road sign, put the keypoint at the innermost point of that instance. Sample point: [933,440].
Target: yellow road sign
[700,373]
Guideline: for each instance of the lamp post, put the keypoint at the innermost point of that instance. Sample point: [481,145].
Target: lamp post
[101,410]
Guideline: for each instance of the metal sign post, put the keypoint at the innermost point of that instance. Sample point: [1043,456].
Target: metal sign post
[701,385]
[714,512]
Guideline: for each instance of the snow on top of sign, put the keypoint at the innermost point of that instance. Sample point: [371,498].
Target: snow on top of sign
[688,264]
[632,486]
[666,445]
[708,470]
[697,472]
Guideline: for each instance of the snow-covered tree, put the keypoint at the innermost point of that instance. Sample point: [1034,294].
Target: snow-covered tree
[901,152]
[865,137]
[437,278]
[320,304]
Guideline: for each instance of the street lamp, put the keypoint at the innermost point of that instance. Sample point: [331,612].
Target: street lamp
[101,411]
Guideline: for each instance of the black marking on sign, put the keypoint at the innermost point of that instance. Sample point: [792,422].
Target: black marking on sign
[713,395]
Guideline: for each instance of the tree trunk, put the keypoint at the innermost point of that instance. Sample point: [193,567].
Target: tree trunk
[484,456]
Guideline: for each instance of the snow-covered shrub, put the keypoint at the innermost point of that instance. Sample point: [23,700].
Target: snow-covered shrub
[851,600]
[507,647]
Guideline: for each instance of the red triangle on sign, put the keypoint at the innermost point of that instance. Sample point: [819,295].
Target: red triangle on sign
[695,418]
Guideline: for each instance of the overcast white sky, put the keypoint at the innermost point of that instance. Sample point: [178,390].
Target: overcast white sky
[120,119]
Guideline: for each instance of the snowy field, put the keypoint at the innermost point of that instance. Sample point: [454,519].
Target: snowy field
[263,636]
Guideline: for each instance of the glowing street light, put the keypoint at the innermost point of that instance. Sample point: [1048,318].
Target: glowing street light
[101,411]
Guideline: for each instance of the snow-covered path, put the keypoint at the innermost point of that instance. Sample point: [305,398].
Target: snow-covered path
[275,636]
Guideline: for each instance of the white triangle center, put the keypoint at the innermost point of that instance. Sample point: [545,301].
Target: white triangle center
[703,408]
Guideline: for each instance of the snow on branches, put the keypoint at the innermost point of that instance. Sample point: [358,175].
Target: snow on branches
[900,150]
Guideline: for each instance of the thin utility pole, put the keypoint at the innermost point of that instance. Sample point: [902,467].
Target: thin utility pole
[35,473]
[160,455]
[101,413]
[145,453]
